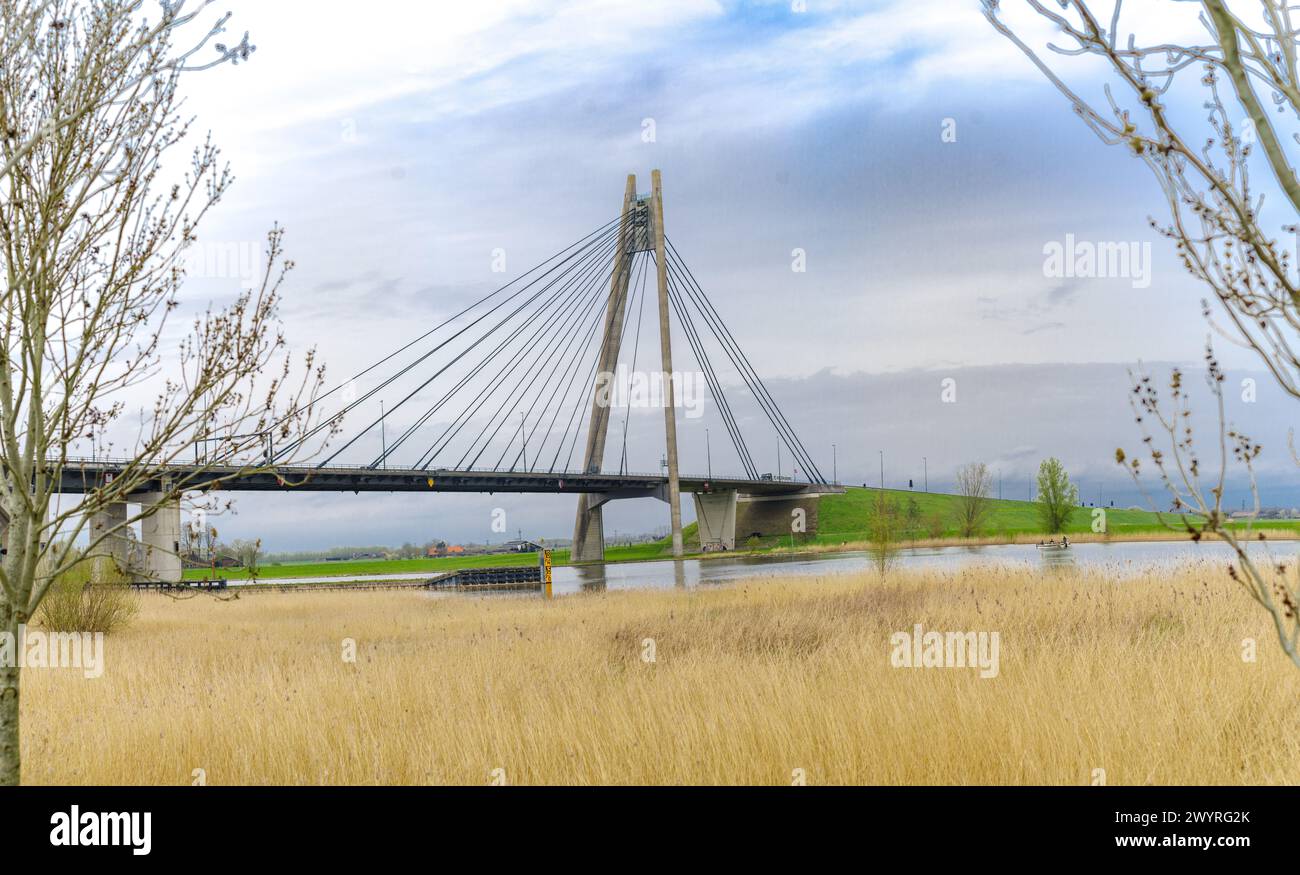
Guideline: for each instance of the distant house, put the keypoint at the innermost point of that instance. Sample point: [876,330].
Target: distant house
[442,548]
[521,547]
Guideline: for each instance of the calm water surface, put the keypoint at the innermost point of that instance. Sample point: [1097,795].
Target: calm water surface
[1121,559]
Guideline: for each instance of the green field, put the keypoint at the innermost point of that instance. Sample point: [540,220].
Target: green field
[356,567]
[841,519]
[845,517]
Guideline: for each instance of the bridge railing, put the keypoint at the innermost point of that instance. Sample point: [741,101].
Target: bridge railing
[97,461]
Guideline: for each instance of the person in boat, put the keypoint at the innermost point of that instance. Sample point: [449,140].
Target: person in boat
[1065,542]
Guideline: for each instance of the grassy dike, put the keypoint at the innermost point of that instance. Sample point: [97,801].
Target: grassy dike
[846,517]
[842,522]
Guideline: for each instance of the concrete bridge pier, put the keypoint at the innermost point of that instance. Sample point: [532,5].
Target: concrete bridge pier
[160,533]
[768,515]
[588,532]
[115,546]
[160,537]
[715,514]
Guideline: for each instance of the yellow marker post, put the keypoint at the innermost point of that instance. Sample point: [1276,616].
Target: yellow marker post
[546,571]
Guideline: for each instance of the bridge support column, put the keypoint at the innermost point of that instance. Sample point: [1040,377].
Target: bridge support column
[772,515]
[589,526]
[666,355]
[715,514]
[588,533]
[160,532]
[116,545]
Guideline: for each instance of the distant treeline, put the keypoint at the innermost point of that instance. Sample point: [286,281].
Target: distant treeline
[341,553]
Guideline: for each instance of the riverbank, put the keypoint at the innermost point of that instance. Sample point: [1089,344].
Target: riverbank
[657,552]
[1131,683]
[1132,537]
[927,519]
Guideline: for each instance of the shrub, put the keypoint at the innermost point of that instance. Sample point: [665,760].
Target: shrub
[936,525]
[75,604]
[884,529]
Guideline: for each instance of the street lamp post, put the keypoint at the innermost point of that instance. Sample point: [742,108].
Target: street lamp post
[835,476]
[925,467]
[523,436]
[882,469]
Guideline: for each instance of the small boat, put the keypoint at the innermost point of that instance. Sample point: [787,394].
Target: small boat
[1063,544]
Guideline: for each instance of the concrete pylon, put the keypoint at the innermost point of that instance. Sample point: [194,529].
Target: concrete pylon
[109,523]
[589,526]
[715,513]
[666,353]
[160,533]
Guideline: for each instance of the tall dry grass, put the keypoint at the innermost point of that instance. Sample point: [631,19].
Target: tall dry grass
[1144,679]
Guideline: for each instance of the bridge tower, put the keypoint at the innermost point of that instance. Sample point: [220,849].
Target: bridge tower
[641,229]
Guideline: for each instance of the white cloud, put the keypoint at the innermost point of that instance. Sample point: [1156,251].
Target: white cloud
[314,63]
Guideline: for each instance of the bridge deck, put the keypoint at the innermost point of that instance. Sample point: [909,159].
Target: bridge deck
[82,477]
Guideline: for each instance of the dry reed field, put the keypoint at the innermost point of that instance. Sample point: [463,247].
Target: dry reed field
[1143,678]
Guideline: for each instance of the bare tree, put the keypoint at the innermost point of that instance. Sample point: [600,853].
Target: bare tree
[93,231]
[1246,65]
[249,554]
[974,486]
[1197,494]
[22,53]
[1205,172]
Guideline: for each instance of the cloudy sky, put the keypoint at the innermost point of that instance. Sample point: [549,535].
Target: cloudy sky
[406,148]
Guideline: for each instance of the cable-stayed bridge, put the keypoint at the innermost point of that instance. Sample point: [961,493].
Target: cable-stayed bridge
[535,388]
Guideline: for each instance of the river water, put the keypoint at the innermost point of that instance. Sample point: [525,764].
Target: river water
[1119,559]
